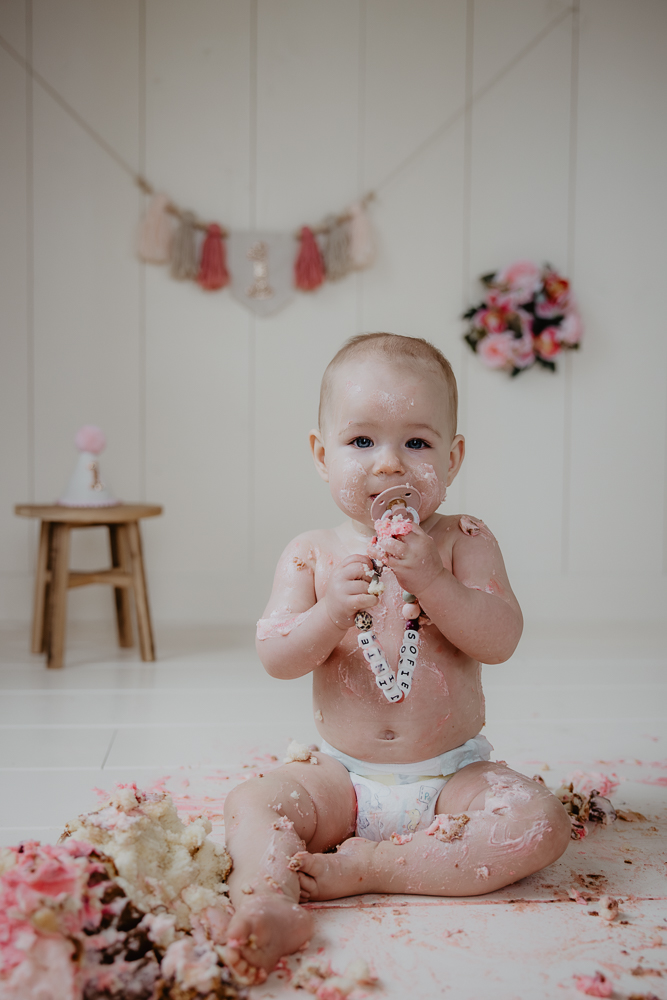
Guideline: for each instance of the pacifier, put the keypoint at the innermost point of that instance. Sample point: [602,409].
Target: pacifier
[405,500]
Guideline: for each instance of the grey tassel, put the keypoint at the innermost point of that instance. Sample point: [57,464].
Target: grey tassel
[184,265]
[336,254]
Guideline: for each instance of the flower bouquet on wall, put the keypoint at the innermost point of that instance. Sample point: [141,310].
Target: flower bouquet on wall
[528,316]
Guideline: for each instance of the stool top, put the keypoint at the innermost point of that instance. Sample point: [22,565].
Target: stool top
[119,514]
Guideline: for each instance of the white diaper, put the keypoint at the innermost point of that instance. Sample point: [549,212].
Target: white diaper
[401,798]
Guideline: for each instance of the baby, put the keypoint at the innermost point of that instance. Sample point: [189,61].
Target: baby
[403,788]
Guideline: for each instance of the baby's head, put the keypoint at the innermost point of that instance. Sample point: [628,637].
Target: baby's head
[388,408]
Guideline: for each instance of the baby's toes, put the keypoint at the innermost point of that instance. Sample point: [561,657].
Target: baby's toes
[244,973]
[307,887]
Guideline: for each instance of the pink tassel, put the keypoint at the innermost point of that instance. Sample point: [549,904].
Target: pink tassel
[362,248]
[308,266]
[213,273]
[154,243]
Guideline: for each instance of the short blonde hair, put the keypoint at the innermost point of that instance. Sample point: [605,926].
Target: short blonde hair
[415,352]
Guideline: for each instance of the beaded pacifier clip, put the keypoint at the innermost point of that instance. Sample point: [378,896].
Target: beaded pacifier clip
[394,512]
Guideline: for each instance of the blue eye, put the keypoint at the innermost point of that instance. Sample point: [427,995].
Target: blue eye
[363,442]
[416,444]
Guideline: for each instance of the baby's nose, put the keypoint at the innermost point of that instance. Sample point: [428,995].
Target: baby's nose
[388,461]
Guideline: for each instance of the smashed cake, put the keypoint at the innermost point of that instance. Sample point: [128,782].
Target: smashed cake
[130,905]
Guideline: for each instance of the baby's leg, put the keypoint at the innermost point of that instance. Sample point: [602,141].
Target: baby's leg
[267,820]
[492,827]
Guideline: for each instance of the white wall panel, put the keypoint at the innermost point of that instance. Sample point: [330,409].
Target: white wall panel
[618,446]
[197,361]
[414,72]
[519,209]
[15,389]
[13,23]
[307,130]
[86,294]
[88,51]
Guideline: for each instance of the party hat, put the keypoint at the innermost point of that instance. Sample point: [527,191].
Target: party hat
[85,488]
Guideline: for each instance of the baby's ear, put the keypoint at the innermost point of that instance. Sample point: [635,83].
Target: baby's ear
[317,449]
[456,456]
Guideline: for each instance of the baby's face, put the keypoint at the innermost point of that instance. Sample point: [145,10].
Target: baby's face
[386,425]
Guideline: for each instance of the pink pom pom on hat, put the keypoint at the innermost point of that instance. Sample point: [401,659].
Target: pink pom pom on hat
[90,438]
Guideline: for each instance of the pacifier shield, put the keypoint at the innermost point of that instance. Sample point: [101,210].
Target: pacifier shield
[410,496]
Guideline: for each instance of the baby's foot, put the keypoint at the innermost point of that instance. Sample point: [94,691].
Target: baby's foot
[263,929]
[348,872]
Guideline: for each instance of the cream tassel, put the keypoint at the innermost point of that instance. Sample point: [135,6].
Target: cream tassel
[362,247]
[184,263]
[154,241]
[337,249]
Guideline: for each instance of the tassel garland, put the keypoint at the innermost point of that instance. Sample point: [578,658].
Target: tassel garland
[337,249]
[184,264]
[362,249]
[308,266]
[213,273]
[154,244]
[170,235]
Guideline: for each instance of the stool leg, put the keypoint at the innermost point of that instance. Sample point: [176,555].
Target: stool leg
[57,608]
[120,560]
[41,586]
[146,643]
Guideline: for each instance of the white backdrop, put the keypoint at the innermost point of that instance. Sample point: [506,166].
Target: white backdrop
[272,113]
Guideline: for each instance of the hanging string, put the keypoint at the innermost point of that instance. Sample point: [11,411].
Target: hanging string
[386,181]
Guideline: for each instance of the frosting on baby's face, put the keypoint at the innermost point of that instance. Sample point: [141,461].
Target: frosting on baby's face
[386,425]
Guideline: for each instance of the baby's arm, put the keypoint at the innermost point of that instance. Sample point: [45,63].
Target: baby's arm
[298,632]
[473,605]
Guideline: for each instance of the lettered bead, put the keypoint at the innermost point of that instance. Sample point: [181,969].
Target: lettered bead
[411,636]
[380,667]
[394,695]
[372,653]
[404,671]
[411,611]
[386,681]
[366,639]
[405,684]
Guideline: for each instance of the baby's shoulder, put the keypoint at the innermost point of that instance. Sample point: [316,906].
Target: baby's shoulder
[458,529]
[308,548]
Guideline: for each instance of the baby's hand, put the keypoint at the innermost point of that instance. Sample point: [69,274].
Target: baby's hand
[347,591]
[414,558]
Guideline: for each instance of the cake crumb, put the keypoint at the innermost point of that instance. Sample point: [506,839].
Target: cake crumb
[299,752]
[482,872]
[608,908]
[447,828]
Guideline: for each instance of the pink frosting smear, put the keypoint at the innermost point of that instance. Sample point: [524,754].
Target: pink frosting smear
[392,527]
[594,986]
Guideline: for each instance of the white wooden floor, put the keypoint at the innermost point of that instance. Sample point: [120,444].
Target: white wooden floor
[205,716]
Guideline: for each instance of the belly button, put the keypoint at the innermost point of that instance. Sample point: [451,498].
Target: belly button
[388,735]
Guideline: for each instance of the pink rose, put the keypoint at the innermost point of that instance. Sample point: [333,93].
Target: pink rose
[523,354]
[547,345]
[570,330]
[496,350]
[522,278]
[491,320]
[502,298]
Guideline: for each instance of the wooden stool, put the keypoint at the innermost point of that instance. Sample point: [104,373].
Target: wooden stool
[54,577]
